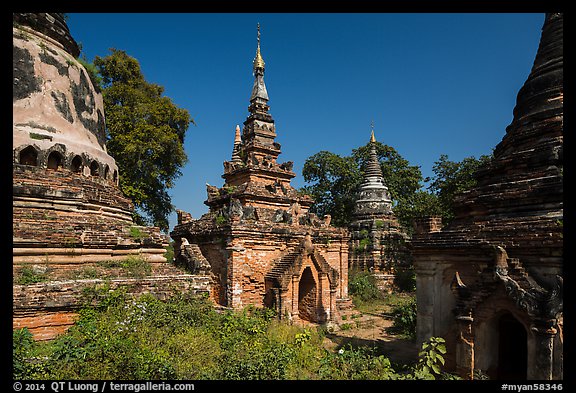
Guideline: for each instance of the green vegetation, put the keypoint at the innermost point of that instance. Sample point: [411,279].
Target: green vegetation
[27,275]
[39,137]
[185,337]
[169,254]
[452,178]
[145,134]
[369,299]
[131,266]
[92,71]
[364,243]
[136,233]
[221,220]
[229,189]
[334,180]
[362,287]
[430,359]
[404,317]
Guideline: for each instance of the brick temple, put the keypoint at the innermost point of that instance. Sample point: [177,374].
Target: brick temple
[491,281]
[258,240]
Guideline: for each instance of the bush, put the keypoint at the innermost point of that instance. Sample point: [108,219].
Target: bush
[362,286]
[132,266]
[404,319]
[22,344]
[355,364]
[134,339]
[184,337]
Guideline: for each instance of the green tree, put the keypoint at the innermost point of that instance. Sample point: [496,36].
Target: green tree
[451,178]
[146,133]
[335,181]
[419,204]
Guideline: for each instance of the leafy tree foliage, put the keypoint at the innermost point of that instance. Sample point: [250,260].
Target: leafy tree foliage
[451,178]
[146,133]
[334,181]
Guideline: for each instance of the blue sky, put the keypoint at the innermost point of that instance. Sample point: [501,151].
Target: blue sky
[432,83]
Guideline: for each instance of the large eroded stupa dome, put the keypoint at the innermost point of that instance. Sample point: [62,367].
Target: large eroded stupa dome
[58,114]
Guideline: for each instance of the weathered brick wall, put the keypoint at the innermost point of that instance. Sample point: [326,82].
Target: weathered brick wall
[254,256]
[251,258]
[62,217]
[89,192]
[49,309]
[241,254]
[51,24]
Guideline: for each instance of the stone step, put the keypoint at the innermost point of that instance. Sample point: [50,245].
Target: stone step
[344,304]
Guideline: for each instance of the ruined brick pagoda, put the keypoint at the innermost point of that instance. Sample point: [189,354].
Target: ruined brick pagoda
[491,282]
[69,216]
[258,240]
[377,243]
[67,206]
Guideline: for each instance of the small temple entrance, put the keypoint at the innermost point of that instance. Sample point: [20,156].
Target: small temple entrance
[307,296]
[512,349]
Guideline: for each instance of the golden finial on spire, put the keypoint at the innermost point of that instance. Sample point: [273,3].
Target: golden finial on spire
[372,138]
[258,60]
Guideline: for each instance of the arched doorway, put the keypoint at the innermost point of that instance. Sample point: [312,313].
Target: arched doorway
[94,169]
[307,296]
[29,156]
[76,165]
[512,348]
[54,160]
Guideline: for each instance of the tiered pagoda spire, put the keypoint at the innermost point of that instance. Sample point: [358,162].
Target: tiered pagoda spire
[377,242]
[373,199]
[373,169]
[253,172]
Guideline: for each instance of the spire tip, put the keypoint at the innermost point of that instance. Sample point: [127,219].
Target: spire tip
[372,138]
[258,60]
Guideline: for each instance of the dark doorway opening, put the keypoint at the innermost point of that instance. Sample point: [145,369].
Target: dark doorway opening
[512,348]
[76,165]
[94,169]
[54,160]
[307,296]
[29,156]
